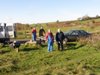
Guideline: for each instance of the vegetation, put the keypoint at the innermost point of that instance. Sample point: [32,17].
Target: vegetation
[91,25]
[78,58]
[81,58]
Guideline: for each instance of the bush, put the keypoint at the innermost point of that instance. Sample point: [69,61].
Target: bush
[83,41]
[94,41]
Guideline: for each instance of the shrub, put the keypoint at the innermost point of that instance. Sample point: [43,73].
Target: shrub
[83,41]
[94,41]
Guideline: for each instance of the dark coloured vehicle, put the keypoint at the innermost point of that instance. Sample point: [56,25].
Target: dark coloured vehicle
[74,35]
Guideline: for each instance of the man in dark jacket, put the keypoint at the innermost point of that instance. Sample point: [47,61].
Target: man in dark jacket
[59,39]
[41,35]
[41,32]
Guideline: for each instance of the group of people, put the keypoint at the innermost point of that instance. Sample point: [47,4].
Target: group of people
[50,38]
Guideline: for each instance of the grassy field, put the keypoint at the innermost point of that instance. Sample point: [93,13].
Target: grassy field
[79,58]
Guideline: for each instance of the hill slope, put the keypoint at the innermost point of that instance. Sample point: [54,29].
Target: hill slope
[76,59]
[92,25]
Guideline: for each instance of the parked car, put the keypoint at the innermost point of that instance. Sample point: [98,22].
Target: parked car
[74,35]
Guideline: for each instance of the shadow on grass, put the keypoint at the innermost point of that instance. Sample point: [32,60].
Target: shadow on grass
[3,51]
[29,49]
[44,45]
[73,46]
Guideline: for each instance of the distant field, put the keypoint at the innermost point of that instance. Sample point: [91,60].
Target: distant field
[88,25]
[27,33]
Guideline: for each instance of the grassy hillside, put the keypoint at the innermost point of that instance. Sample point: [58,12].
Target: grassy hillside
[78,58]
[89,25]
[81,58]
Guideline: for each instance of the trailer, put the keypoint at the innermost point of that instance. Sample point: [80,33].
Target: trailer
[7,31]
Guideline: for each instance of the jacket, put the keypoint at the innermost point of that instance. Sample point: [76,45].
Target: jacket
[33,30]
[41,32]
[49,37]
[60,36]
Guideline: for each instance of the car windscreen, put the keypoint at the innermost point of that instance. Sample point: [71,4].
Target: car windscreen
[75,33]
[83,32]
[9,28]
[1,28]
[70,32]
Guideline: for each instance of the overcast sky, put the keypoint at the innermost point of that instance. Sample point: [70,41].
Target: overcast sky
[37,11]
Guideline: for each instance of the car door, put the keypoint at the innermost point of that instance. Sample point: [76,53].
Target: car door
[82,33]
[75,35]
[2,32]
[10,31]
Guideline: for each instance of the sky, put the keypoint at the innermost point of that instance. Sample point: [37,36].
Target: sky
[41,11]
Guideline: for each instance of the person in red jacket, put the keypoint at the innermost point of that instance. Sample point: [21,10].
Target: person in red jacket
[34,34]
[50,39]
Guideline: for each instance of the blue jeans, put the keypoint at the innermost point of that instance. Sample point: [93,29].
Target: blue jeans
[50,46]
[33,37]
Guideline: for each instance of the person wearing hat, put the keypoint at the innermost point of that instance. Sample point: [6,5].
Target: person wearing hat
[59,39]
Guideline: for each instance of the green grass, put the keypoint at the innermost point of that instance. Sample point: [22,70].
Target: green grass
[30,60]
[76,59]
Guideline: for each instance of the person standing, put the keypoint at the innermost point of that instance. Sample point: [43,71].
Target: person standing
[50,39]
[41,36]
[59,39]
[34,34]
[41,32]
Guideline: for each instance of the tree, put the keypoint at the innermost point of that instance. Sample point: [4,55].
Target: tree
[86,17]
[79,18]
[97,16]
[57,21]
